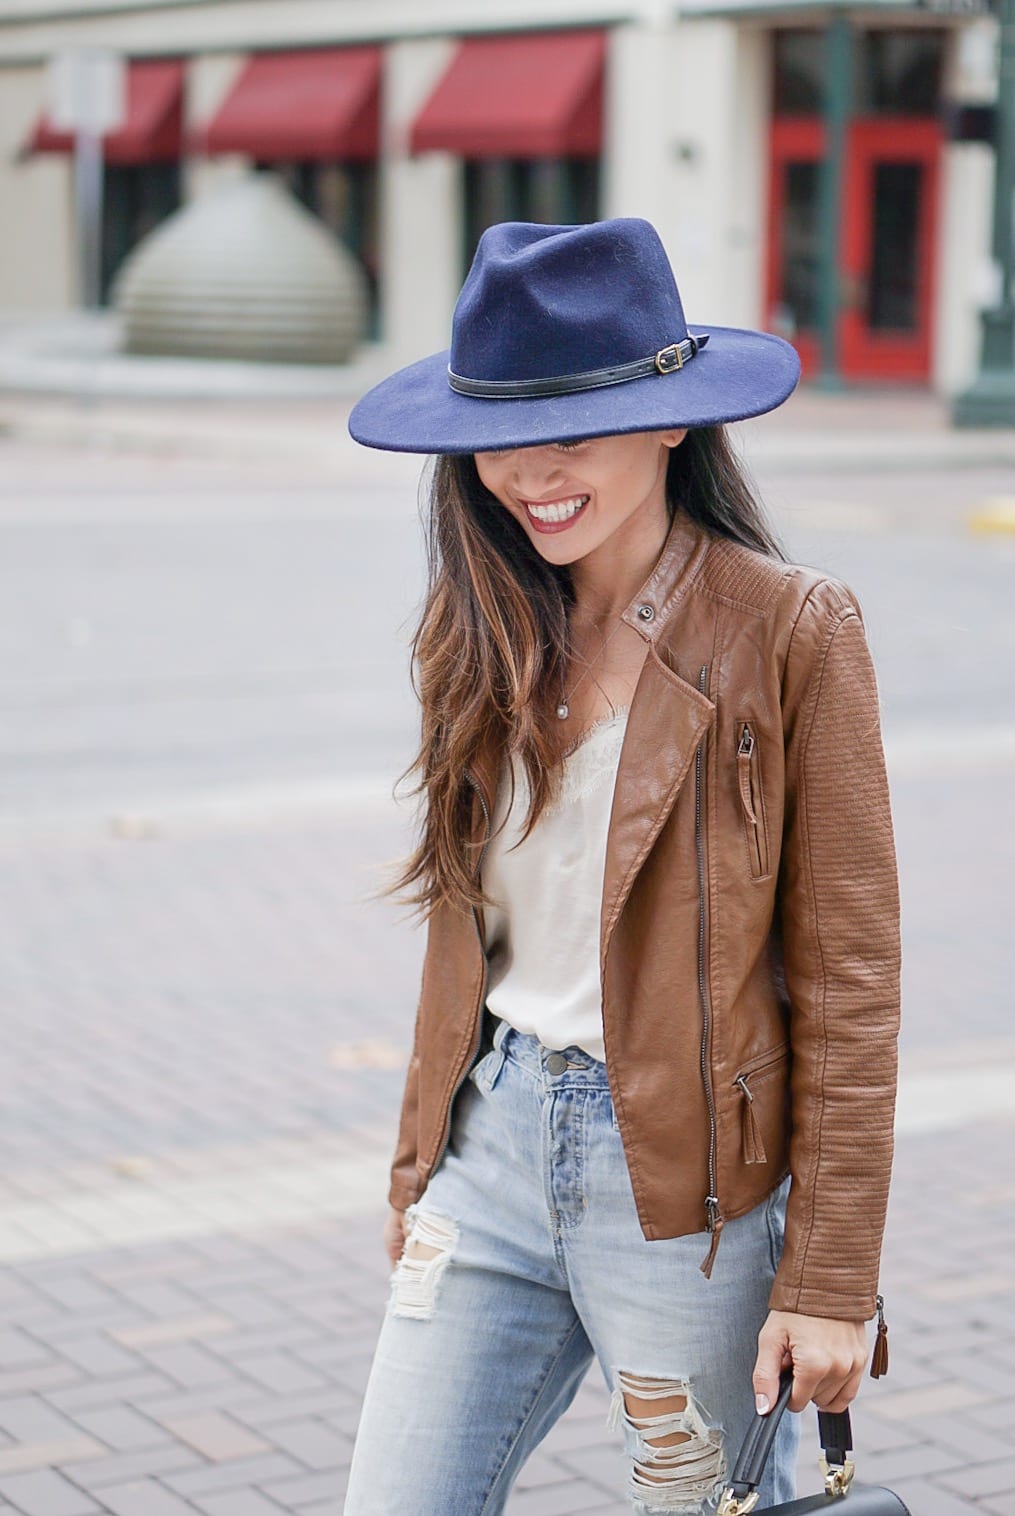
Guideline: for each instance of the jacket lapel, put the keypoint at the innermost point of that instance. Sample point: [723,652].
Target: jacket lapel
[667,722]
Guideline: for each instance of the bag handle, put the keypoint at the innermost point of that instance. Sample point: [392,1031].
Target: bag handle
[834,1432]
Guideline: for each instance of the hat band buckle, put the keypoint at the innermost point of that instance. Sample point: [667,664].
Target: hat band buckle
[668,359]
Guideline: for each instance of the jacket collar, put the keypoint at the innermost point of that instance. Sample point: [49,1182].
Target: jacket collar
[676,568]
[666,724]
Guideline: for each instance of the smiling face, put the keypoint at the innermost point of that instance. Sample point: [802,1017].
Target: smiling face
[574,498]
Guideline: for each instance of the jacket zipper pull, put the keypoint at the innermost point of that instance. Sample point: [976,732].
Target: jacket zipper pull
[754,1147]
[715,1225]
[879,1358]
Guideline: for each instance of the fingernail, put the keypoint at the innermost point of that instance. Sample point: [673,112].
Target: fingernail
[761,1404]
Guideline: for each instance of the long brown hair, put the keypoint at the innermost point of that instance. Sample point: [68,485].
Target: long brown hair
[493,647]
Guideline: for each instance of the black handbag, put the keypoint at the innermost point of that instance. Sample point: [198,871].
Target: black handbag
[836,1437]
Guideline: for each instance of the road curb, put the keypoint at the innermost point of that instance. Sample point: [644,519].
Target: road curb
[994,516]
[812,452]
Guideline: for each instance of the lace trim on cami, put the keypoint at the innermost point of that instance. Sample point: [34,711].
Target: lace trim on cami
[590,763]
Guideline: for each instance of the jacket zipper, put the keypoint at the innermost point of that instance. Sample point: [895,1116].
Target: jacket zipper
[747,785]
[713,1213]
[478,1012]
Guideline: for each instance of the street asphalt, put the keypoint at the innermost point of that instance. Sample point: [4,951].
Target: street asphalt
[207,1011]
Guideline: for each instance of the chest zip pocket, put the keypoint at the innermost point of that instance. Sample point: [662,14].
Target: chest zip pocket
[752,801]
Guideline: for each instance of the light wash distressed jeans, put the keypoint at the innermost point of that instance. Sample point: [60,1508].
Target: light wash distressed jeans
[535,1262]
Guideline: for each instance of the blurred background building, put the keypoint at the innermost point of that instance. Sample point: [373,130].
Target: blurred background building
[821,171]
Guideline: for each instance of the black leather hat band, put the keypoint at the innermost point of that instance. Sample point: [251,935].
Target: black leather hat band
[668,360]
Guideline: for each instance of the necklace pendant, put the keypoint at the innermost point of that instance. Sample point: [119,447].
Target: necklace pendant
[563,710]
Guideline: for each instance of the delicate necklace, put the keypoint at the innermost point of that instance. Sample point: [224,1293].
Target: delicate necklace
[564,708]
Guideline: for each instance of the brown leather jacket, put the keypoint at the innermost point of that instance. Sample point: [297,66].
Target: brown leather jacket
[749,940]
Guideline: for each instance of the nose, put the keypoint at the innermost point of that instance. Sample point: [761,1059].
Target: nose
[536,469]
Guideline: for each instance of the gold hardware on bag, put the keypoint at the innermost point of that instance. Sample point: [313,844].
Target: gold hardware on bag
[729,1505]
[669,358]
[838,1477]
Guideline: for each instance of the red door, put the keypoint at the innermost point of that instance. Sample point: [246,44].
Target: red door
[887,249]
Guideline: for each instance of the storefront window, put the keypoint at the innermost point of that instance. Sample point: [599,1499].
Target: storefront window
[799,73]
[345,197]
[894,72]
[136,197]
[894,275]
[552,191]
[800,250]
[900,73]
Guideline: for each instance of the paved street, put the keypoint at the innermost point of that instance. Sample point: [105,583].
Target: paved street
[204,707]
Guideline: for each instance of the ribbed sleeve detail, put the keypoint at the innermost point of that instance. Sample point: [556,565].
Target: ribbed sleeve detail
[840,918]
[741,577]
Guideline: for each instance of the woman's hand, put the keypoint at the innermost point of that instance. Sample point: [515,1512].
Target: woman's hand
[828,1360]
[394,1234]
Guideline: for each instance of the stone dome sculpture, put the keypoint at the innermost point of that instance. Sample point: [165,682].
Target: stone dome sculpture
[248,273]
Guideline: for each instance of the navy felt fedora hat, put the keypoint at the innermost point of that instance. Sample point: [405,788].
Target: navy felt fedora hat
[563,332]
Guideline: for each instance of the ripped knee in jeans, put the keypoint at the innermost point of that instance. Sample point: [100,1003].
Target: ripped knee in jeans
[678,1457]
[427,1253]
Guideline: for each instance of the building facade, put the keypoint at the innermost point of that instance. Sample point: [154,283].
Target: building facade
[826,174]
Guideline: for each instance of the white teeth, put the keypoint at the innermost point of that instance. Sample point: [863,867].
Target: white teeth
[557,510]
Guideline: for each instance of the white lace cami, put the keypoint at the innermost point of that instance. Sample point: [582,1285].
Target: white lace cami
[542,934]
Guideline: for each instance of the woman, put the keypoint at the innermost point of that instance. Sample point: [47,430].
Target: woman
[649,1109]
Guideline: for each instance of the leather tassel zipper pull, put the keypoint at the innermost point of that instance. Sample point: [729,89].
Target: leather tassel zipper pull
[879,1358]
[753,1146]
[715,1226]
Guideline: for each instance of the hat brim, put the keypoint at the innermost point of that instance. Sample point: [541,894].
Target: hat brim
[739,374]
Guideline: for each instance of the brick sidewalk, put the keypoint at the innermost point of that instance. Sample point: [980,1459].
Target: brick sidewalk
[191,1273]
[222,1374]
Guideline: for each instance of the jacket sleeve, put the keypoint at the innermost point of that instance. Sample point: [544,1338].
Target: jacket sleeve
[405,1187]
[840,925]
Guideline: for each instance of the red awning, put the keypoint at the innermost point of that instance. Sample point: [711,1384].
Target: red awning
[153,130]
[537,95]
[292,107]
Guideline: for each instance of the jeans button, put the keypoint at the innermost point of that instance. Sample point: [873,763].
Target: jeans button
[556,1063]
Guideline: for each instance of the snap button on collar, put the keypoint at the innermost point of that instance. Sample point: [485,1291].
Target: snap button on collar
[646,612]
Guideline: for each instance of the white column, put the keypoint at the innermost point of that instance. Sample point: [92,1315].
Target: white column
[421,210]
[641,176]
[743,300]
[966,274]
[210,77]
[965,271]
[705,114]
[36,204]
[673,131]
